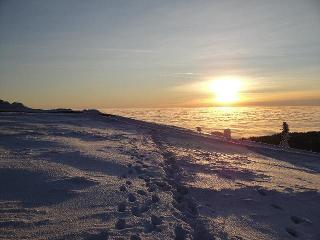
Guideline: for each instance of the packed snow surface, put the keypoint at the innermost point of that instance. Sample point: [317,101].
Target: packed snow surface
[88,176]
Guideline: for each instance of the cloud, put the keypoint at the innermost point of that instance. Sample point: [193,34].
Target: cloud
[126,50]
[186,73]
[193,87]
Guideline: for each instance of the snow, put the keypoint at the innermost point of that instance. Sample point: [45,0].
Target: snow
[88,176]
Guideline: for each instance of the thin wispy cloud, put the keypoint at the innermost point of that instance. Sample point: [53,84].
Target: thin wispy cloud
[126,50]
[186,73]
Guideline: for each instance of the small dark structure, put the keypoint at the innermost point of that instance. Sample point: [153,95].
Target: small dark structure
[199,129]
[227,133]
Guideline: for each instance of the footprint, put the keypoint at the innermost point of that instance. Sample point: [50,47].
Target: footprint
[142,192]
[201,232]
[298,220]
[148,227]
[135,237]
[236,238]
[131,197]
[145,178]
[156,220]
[178,197]
[145,208]
[262,192]
[128,182]
[141,177]
[180,233]
[188,208]
[292,232]
[163,185]
[145,165]
[155,198]
[182,190]
[102,216]
[192,206]
[103,235]
[41,222]
[135,210]
[276,206]
[138,169]
[120,224]
[79,180]
[122,207]
[123,188]
[151,187]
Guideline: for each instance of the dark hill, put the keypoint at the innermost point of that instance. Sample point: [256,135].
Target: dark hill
[13,107]
[301,140]
[19,107]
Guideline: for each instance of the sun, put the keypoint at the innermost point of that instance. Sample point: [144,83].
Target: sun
[226,90]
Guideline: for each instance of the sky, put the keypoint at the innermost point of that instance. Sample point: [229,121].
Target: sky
[148,53]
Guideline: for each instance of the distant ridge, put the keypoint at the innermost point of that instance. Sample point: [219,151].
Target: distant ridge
[14,107]
[6,106]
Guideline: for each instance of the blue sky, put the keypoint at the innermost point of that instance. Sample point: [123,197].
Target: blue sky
[95,54]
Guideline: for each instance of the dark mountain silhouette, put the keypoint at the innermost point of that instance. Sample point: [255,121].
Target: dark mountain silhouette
[19,107]
[14,107]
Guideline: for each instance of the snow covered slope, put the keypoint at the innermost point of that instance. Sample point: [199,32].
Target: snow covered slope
[87,176]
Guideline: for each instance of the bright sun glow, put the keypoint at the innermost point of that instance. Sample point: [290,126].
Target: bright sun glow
[226,90]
